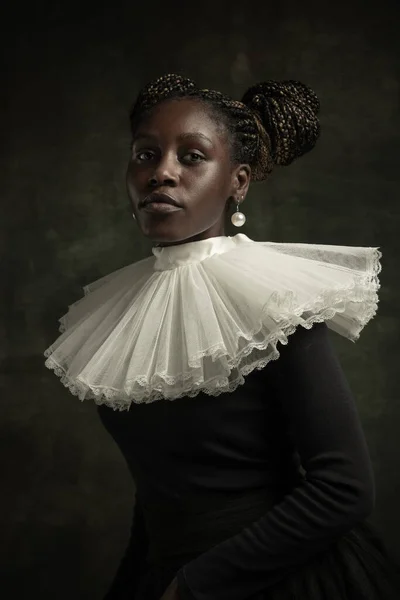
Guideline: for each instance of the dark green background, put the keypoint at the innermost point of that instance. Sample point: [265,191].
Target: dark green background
[72,72]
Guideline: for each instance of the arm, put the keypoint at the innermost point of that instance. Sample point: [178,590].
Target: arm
[133,562]
[338,490]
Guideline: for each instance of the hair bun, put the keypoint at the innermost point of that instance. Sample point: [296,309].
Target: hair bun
[288,111]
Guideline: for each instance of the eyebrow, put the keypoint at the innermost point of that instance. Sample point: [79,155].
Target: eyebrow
[182,137]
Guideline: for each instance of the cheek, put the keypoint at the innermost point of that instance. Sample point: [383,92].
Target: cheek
[214,177]
[210,190]
[134,179]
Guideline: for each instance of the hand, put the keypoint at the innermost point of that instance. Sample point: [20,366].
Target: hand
[171,593]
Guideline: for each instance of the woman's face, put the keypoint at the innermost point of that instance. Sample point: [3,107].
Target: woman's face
[180,150]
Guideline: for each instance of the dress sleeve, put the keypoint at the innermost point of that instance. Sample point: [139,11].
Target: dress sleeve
[338,488]
[133,562]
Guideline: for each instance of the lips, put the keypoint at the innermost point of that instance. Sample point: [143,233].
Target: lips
[160,197]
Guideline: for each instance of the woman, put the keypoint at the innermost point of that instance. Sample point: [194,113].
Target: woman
[252,472]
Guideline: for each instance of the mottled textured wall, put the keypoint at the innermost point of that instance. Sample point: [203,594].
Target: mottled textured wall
[72,73]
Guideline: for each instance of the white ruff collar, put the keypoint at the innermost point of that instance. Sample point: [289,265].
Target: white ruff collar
[199,316]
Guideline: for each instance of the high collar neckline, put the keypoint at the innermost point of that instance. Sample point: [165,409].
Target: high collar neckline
[178,255]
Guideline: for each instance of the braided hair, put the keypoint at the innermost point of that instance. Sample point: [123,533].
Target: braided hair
[273,124]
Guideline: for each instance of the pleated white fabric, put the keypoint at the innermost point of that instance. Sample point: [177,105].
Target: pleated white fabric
[199,316]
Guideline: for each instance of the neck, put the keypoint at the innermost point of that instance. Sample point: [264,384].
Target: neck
[204,235]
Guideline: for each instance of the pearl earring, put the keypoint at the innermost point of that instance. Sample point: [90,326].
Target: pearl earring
[238,218]
[133,215]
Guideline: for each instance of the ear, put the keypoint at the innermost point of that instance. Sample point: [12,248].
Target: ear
[241,176]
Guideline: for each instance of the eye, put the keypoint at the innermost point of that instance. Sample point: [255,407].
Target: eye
[143,155]
[193,157]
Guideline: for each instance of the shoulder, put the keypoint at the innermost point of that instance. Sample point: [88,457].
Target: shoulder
[305,340]
[306,351]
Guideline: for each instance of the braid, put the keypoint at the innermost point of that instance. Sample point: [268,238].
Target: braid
[288,111]
[274,123]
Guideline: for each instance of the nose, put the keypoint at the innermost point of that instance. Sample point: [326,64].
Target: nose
[165,172]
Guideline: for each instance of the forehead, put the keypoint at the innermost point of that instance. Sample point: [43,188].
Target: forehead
[175,117]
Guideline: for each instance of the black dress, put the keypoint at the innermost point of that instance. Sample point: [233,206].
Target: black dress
[262,493]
